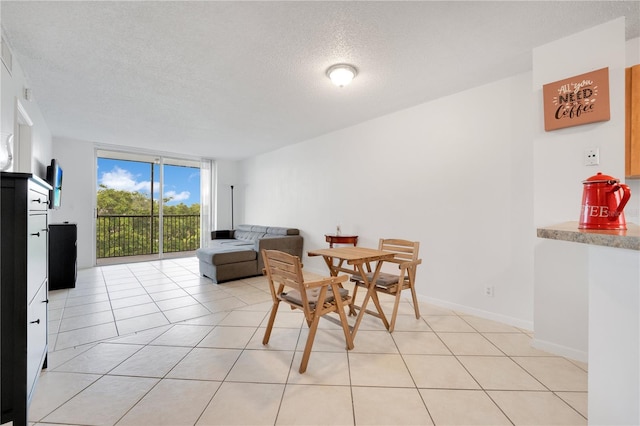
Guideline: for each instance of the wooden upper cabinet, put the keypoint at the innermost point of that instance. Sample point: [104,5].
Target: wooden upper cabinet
[632,122]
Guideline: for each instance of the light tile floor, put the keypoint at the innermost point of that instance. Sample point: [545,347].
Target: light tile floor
[155,344]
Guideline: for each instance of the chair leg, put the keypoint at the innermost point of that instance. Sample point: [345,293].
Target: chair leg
[394,315]
[416,307]
[352,309]
[272,319]
[307,347]
[343,321]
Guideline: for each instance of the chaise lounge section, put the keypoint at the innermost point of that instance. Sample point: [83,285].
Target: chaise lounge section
[236,254]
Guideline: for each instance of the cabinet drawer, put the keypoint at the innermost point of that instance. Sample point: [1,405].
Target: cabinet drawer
[36,336]
[36,253]
[38,199]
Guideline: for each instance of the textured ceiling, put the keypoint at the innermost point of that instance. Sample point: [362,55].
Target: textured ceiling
[234,79]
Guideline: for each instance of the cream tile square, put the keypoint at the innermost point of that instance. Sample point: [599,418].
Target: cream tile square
[54,314]
[172,403]
[578,400]
[211,319]
[468,344]
[141,337]
[178,302]
[290,319]
[374,342]
[252,298]
[123,294]
[243,404]
[130,284]
[226,304]
[336,401]
[401,406]
[54,389]
[228,337]
[157,287]
[462,407]
[514,344]
[404,308]
[281,339]
[89,308]
[558,374]
[243,319]
[540,408]
[57,304]
[83,300]
[209,295]
[379,370]
[144,322]
[170,294]
[100,359]
[205,364]
[582,365]
[324,368]
[447,323]
[484,325]
[419,342]
[499,373]
[81,321]
[57,358]
[89,408]
[183,335]
[261,367]
[427,309]
[135,311]
[131,301]
[410,323]
[151,361]
[439,371]
[325,340]
[85,335]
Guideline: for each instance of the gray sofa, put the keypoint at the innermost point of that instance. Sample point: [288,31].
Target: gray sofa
[236,254]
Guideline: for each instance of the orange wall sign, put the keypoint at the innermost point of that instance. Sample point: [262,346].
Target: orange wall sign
[577,100]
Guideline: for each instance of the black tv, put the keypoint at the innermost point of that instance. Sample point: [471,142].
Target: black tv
[54,178]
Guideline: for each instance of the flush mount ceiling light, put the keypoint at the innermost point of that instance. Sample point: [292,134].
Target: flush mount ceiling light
[341,74]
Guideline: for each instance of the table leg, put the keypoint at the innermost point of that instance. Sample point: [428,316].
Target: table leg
[371,293]
[333,270]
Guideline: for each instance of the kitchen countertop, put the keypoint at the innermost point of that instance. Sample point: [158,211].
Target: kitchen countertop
[568,231]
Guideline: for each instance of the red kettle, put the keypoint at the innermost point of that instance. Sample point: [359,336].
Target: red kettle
[603,201]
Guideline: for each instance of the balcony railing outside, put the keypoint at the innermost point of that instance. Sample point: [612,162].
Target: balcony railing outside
[134,235]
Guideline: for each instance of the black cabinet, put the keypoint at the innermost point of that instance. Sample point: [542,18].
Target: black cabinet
[24,201]
[63,255]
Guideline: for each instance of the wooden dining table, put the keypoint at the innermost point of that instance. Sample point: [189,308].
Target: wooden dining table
[359,260]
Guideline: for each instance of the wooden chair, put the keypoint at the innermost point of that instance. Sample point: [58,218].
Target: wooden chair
[406,256]
[314,298]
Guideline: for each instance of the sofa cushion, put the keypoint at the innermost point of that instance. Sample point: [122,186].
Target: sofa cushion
[274,230]
[222,256]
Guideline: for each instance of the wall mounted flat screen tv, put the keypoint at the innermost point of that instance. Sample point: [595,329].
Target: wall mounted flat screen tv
[54,178]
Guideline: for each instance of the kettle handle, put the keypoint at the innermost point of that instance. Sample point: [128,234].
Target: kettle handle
[626,194]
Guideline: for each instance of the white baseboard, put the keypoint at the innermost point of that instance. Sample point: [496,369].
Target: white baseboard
[560,350]
[515,322]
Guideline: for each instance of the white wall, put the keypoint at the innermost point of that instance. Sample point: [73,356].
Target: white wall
[561,288]
[35,158]
[226,175]
[77,160]
[632,211]
[455,174]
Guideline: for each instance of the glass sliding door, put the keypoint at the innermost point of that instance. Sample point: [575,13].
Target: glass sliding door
[147,207]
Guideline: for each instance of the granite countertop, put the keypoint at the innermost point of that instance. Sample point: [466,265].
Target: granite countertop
[568,231]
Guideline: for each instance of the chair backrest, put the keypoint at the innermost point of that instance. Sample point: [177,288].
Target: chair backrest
[285,270]
[405,250]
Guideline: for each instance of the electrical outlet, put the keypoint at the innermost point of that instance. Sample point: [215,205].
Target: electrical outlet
[488,291]
[591,157]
